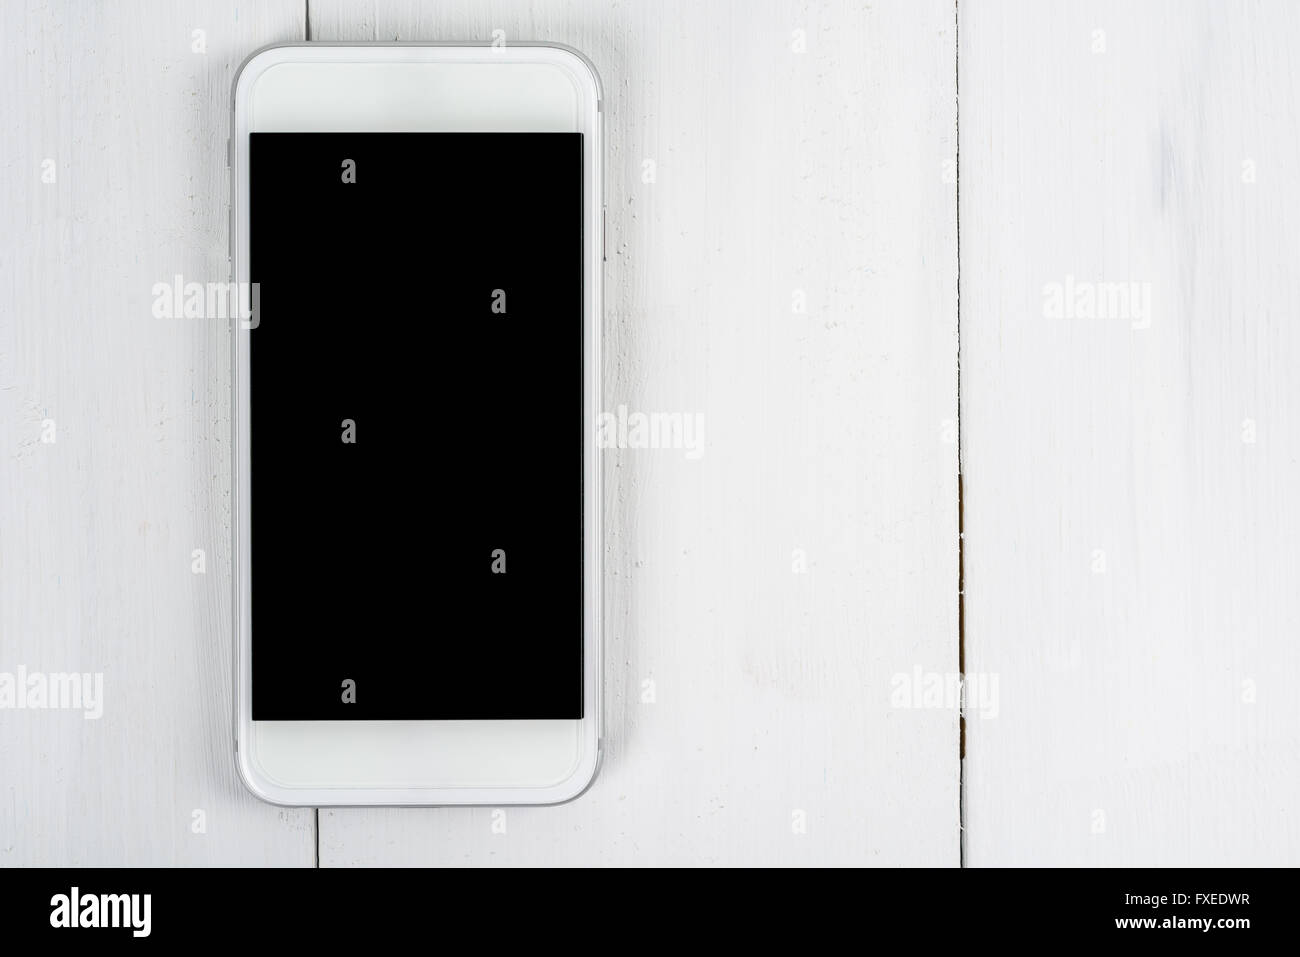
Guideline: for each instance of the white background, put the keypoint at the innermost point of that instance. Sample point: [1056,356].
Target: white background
[1129,554]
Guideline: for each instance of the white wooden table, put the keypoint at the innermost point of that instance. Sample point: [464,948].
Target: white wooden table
[783,613]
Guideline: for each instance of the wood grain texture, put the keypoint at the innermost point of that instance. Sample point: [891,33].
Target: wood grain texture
[98,527]
[776,171]
[1130,508]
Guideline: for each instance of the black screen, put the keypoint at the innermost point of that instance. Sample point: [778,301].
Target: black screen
[417,428]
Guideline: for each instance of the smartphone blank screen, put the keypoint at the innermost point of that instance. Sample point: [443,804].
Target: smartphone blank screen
[417,425]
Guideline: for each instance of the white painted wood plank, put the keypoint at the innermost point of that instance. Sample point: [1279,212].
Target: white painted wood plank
[777,172]
[1146,714]
[97,528]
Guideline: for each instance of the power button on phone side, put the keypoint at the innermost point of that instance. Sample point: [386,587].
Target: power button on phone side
[604,231]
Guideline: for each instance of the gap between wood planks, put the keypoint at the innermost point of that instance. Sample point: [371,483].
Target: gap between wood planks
[961,504]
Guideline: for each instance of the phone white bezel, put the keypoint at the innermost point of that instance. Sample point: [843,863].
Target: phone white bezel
[418,763]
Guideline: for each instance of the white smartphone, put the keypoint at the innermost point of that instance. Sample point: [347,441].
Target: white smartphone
[417,231]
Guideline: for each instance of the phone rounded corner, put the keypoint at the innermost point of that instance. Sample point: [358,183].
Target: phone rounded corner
[242,73]
[256,783]
[582,780]
[581,64]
